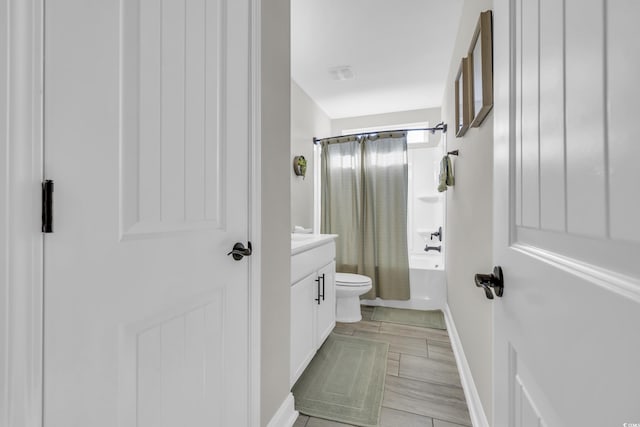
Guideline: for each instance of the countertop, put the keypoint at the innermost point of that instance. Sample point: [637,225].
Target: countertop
[302,242]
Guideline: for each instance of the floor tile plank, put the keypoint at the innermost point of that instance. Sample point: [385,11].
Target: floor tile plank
[422,398]
[398,344]
[394,418]
[301,421]
[414,331]
[425,369]
[343,329]
[363,325]
[319,422]
[440,423]
[440,351]
[393,367]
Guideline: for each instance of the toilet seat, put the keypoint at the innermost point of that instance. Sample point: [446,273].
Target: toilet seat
[350,279]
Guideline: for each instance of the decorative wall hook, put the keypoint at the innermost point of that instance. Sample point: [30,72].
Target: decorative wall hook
[300,166]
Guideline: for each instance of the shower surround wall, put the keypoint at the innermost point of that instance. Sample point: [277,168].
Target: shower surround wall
[426,205]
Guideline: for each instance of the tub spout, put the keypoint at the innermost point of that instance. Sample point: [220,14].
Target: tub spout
[433,248]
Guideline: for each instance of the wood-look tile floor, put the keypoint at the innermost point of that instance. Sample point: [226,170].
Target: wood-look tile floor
[422,387]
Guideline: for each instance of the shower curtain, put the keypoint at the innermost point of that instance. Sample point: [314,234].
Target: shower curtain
[364,201]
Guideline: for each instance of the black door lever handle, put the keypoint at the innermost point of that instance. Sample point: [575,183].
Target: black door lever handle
[239,251]
[494,280]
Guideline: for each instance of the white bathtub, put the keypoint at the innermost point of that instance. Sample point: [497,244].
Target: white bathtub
[427,282]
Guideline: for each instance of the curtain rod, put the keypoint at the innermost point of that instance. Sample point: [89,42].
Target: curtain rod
[442,126]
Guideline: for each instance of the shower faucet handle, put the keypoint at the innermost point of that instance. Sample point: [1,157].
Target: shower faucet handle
[437,234]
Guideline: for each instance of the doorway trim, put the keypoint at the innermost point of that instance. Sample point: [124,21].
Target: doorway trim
[255,212]
[21,254]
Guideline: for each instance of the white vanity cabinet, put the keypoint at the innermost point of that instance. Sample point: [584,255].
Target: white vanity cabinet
[313,304]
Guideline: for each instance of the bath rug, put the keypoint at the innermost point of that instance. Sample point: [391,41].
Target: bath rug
[427,319]
[345,381]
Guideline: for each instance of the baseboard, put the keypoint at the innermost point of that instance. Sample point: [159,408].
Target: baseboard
[286,414]
[476,411]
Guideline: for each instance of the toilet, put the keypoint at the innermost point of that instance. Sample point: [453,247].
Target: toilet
[349,287]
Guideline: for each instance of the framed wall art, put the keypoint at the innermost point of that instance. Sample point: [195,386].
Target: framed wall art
[481,69]
[462,98]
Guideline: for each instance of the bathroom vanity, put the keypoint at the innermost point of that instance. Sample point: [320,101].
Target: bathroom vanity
[313,305]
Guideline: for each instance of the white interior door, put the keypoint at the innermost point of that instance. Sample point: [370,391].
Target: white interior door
[146,138]
[567,213]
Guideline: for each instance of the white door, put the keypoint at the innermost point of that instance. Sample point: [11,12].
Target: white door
[567,213]
[146,139]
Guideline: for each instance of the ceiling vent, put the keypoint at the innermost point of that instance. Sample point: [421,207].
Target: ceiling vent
[343,72]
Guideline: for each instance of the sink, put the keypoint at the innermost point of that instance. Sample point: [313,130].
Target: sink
[299,236]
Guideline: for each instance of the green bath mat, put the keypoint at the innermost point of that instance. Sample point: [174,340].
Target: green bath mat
[427,319]
[344,382]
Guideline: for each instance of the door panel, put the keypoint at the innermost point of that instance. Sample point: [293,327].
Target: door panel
[166,358]
[552,178]
[173,100]
[565,331]
[574,156]
[146,317]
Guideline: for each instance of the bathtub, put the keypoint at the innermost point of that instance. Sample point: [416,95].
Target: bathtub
[427,284]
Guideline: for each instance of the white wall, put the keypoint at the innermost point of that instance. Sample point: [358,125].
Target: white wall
[468,233]
[431,115]
[276,241]
[307,121]
[4,220]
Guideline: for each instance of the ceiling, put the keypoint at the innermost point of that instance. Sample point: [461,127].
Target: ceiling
[399,52]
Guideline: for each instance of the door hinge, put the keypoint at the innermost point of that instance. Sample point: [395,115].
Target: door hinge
[47,206]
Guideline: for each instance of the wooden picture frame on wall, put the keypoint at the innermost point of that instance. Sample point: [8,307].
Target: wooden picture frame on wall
[481,69]
[462,98]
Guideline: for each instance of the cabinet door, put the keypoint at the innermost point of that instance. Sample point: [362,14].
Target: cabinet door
[303,294]
[326,311]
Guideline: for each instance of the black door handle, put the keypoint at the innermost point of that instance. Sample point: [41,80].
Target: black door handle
[494,280]
[239,251]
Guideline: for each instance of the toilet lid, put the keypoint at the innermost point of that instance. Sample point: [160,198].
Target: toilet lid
[350,279]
